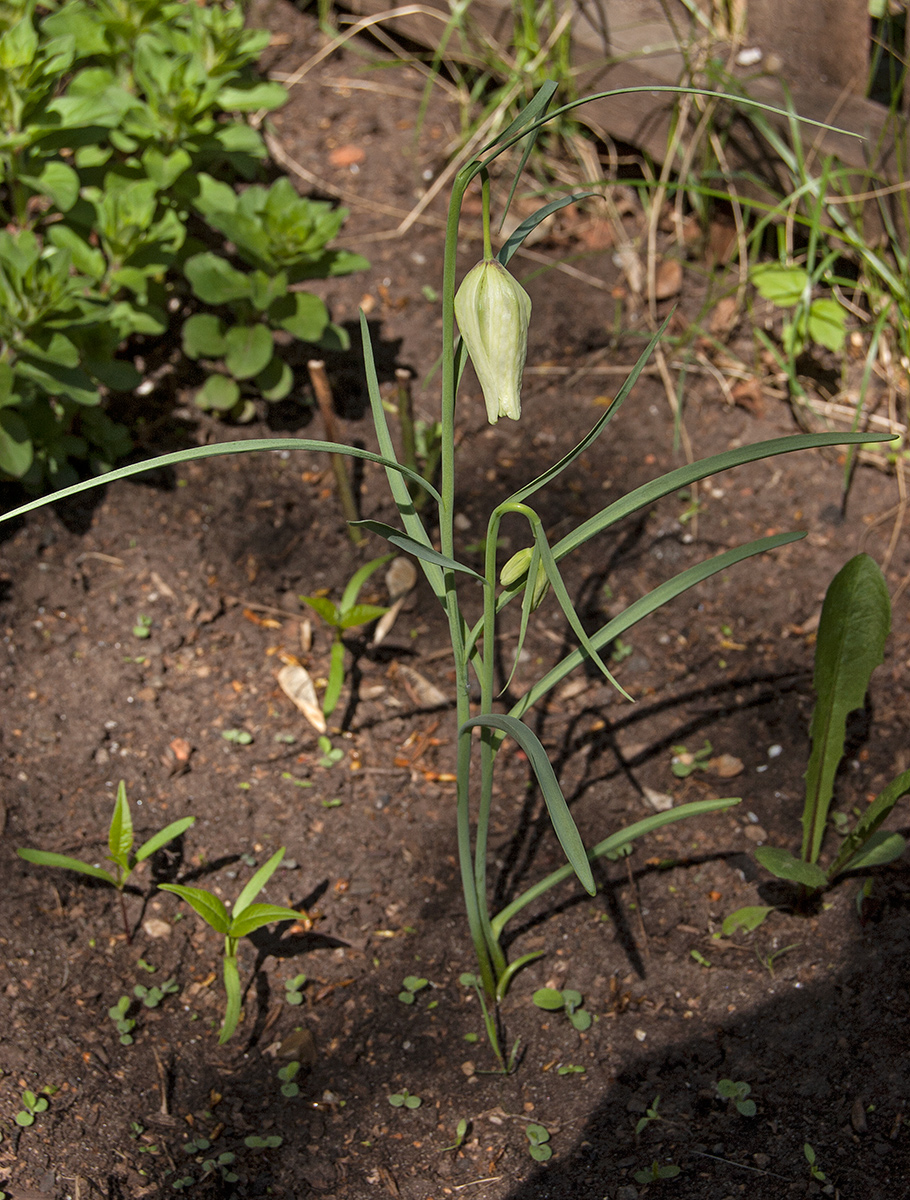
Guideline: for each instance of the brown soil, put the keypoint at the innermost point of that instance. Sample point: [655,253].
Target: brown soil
[215,555]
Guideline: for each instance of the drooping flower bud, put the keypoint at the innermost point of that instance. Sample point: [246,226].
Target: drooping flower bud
[516,569]
[493,312]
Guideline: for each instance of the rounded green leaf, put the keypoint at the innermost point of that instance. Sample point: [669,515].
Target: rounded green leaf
[746,919]
[203,336]
[828,324]
[16,451]
[249,350]
[218,393]
[214,280]
[276,380]
[549,999]
[302,314]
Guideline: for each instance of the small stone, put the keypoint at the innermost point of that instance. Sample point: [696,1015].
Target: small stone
[156,928]
[640,1035]
[755,833]
[761,1160]
[468,1068]
[725,766]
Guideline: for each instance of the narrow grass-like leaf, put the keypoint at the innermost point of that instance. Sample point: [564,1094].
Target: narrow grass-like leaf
[257,915]
[46,858]
[529,224]
[563,824]
[258,882]
[208,907]
[419,549]
[855,620]
[216,451]
[785,865]
[869,823]
[120,834]
[359,578]
[168,834]
[533,111]
[608,846]
[646,605]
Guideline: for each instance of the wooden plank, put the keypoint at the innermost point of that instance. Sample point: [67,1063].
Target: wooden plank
[818,42]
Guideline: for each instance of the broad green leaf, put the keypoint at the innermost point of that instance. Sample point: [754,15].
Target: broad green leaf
[86,259]
[870,821]
[168,834]
[120,834]
[260,95]
[45,858]
[56,380]
[879,849]
[563,825]
[6,385]
[418,549]
[828,324]
[362,614]
[249,349]
[786,866]
[61,183]
[746,919]
[855,620]
[19,44]
[276,380]
[203,336]
[208,907]
[325,608]
[16,450]
[218,392]
[214,280]
[783,286]
[548,998]
[302,314]
[257,915]
[258,882]
[165,169]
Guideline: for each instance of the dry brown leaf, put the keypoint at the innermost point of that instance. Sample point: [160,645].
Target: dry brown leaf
[668,279]
[297,685]
[420,690]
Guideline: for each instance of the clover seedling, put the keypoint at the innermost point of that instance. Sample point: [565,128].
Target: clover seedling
[288,1087]
[736,1093]
[684,761]
[411,985]
[120,844]
[331,755]
[245,919]
[143,627]
[538,1137]
[404,1099]
[656,1172]
[239,737]
[31,1106]
[293,989]
[570,1069]
[272,1142]
[152,997]
[196,1144]
[125,1025]
[571,1001]
[814,1169]
[222,1164]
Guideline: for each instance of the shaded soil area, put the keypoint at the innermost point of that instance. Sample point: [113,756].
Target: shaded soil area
[147,622]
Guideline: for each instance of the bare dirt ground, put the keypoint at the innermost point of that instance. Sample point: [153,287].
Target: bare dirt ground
[811,1012]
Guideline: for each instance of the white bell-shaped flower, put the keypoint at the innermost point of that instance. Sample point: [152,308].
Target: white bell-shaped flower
[493,312]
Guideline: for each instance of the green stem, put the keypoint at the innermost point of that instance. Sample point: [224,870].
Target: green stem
[232,988]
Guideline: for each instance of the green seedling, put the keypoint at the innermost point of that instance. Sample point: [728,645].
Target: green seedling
[814,1170]
[651,1114]
[737,1094]
[461,1132]
[238,737]
[120,846]
[404,1099]
[854,624]
[330,755]
[655,1173]
[143,627]
[745,919]
[287,1076]
[342,617]
[272,1142]
[538,1138]
[490,1021]
[570,1069]
[621,651]
[244,919]
[182,1182]
[31,1106]
[685,762]
[125,1025]
[144,966]
[768,960]
[699,958]
[411,985]
[293,989]
[222,1164]
[152,997]
[196,1145]
[568,1001]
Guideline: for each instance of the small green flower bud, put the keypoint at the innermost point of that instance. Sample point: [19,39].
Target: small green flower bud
[493,312]
[517,568]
